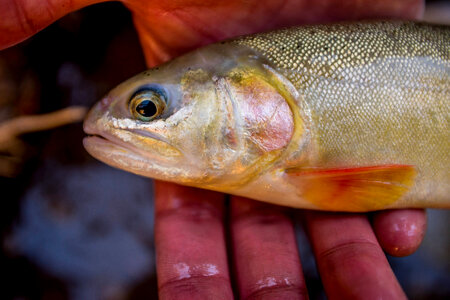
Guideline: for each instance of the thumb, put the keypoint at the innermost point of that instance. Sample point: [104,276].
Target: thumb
[20,19]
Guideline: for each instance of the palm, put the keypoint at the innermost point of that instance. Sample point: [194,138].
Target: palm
[192,253]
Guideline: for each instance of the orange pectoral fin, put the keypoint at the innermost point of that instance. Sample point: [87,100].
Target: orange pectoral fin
[353,189]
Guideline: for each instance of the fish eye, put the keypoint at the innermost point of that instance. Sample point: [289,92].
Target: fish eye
[148,104]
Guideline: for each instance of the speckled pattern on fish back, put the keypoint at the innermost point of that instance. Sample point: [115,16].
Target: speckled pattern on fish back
[379,92]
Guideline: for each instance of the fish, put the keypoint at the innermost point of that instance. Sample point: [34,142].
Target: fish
[349,117]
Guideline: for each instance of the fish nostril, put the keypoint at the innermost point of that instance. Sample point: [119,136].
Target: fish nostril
[105,102]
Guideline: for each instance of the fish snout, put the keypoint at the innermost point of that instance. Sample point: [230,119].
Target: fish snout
[95,114]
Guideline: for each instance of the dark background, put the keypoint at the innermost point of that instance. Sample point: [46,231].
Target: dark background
[75,228]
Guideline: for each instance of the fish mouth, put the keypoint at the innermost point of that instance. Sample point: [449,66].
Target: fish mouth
[108,151]
[122,155]
[98,141]
[103,138]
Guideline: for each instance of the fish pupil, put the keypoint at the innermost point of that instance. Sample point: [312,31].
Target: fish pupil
[147,108]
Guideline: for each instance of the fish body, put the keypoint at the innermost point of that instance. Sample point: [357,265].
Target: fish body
[342,117]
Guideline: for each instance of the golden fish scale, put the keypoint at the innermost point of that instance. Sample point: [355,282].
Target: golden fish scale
[378,93]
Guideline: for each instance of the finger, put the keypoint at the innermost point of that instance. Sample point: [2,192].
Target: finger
[161,24]
[266,259]
[191,256]
[400,232]
[21,19]
[350,261]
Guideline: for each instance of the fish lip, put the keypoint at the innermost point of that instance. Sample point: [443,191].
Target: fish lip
[105,138]
[90,130]
[98,139]
[93,131]
[94,134]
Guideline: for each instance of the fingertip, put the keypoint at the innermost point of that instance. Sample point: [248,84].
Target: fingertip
[400,232]
[351,263]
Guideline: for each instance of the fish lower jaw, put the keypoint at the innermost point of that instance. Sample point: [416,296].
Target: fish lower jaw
[126,159]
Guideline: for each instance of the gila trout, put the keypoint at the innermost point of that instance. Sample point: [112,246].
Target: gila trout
[341,117]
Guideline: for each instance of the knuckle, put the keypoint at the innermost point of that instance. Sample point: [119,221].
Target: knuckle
[194,213]
[260,218]
[279,292]
[29,15]
[26,23]
[350,249]
[196,287]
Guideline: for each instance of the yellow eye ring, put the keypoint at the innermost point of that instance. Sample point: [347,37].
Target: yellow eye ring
[147,105]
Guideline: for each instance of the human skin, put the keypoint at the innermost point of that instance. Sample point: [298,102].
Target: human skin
[206,248]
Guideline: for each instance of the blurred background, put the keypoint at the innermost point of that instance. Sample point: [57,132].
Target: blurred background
[74,228]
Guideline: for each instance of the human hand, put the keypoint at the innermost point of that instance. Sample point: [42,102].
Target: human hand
[193,259]
[203,246]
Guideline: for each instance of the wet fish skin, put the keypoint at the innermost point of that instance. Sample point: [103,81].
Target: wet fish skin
[346,117]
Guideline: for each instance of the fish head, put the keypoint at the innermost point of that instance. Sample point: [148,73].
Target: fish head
[213,118]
